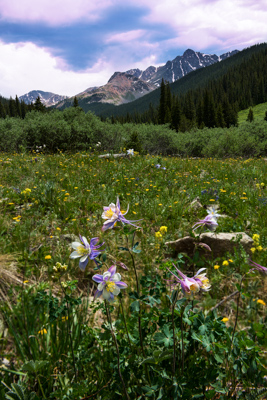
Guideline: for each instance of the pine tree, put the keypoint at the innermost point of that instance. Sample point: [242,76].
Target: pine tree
[18,107]
[250,116]
[38,105]
[220,117]
[176,115]
[2,111]
[162,103]
[75,102]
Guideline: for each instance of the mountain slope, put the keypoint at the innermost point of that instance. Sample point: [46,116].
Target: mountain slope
[125,87]
[47,98]
[195,80]
[179,67]
[121,88]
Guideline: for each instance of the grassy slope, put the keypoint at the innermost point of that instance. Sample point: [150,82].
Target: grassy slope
[258,112]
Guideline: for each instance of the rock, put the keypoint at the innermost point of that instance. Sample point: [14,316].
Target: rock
[220,243]
[70,237]
[112,155]
[195,205]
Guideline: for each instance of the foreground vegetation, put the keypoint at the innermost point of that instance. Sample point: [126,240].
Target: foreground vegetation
[152,342]
[73,130]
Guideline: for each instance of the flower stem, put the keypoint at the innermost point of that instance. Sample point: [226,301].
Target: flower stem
[124,320]
[173,334]
[182,338]
[117,350]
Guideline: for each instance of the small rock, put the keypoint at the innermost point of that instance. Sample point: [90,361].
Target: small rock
[220,243]
[195,205]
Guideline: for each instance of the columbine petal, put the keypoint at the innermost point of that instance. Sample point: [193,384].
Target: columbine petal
[75,245]
[116,277]
[106,275]
[101,286]
[112,271]
[121,285]
[106,294]
[85,241]
[97,278]
[116,291]
[82,264]
[75,254]
[83,258]
[200,270]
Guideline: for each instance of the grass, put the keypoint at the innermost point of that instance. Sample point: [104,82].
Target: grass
[47,200]
[258,111]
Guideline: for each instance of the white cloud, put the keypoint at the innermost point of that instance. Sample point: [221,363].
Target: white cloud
[52,12]
[124,37]
[25,67]
[204,23]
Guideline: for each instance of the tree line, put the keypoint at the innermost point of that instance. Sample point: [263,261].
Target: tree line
[214,105]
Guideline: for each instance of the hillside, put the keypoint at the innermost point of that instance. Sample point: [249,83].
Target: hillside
[259,111]
[241,64]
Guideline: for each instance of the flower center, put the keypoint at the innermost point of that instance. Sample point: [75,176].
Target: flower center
[109,213]
[110,286]
[83,250]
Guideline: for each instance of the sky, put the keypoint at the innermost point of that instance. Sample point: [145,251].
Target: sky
[67,46]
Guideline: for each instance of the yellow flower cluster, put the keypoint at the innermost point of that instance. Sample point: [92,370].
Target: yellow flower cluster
[26,191]
[256,242]
[162,231]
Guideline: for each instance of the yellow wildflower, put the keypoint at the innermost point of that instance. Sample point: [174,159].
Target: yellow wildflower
[43,331]
[225,319]
[260,248]
[163,229]
[158,235]
[261,302]
[216,266]
[225,263]
[48,257]
[253,249]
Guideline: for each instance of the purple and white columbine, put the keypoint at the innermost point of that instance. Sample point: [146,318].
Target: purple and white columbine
[202,280]
[109,284]
[113,214]
[85,251]
[258,267]
[209,222]
[188,285]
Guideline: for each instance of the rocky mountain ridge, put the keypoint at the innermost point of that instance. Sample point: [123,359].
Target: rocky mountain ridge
[124,87]
[47,98]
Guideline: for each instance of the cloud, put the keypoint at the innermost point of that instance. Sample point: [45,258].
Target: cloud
[209,23]
[52,12]
[124,37]
[25,67]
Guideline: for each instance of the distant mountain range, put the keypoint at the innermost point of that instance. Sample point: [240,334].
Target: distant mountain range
[47,98]
[125,87]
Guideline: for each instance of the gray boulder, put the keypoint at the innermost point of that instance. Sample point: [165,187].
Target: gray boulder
[219,243]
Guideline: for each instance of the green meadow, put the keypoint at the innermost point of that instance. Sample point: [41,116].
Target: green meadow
[152,341]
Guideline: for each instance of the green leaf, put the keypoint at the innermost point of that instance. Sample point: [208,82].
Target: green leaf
[34,366]
[135,306]
[123,248]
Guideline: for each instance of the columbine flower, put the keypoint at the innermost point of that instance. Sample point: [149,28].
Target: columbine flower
[109,284]
[157,165]
[209,222]
[202,280]
[85,251]
[188,285]
[130,152]
[258,267]
[113,214]
[212,211]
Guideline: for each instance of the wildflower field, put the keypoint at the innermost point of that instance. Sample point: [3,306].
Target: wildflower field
[96,305]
